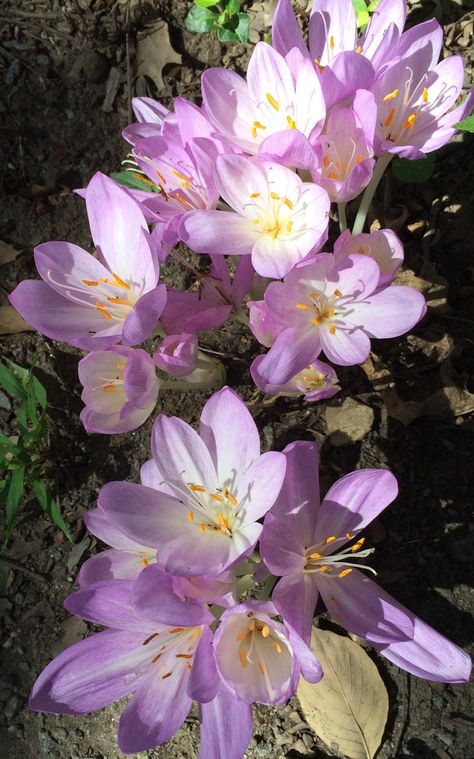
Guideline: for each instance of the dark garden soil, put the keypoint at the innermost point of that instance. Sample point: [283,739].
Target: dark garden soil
[68,69]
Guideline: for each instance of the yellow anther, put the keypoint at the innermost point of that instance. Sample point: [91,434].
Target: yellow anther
[325,161]
[331,42]
[261,667]
[357,546]
[391,95]
[254,133]
[109,388]
[119,301]
[359,158]
[241,635]
[252,625]
[275,645]
[410,121]
[331,313]
[202,527]
[330,539]
[176,630]
[265,631]
[291,122]
[90,282]
[315,556]
[315,322]
[150,637]
[288,203]
[289,226]
[389,118]
[325,568]
[275,196]
[216,497]
[259,125]
[184,656]
[345,572]
[361,250]
[274,103]
[145,562]
[118,282]
[182,200]
[198,488]
[230,496]
[168,674]
[348,535]
[190,516]
[178,174]
[243,658]
[333,175]
[332,329]
[302,307]
[337,293]
[120,366]
[425,94]
[223,523]
[100,307]
[255,195]
[358,49]
[317,63]
[141,178]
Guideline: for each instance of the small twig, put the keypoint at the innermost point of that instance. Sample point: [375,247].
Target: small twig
[42,15]
[18,565]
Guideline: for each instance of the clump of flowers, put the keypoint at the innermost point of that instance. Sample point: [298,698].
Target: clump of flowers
[255,179]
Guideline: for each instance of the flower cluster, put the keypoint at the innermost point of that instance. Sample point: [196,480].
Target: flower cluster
[251,176]
[186,597]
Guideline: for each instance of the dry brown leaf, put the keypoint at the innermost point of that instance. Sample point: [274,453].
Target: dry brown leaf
[432,285]
[348,708]
[377,372]
[11,321]
[154,51]
[8,253]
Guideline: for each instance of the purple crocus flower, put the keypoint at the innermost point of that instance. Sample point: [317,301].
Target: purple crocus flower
[315,382]
[258,658]
[165,664]
[383,246]
[220,486]
[279,95]
[120,389]
[177,354]
[91,302]
[278,218]
[335,307]
[312,548]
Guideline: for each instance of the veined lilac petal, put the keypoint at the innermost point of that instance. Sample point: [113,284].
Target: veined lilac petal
[139,379]
[259,485]
[148,110]
[390,312]
[226,726]
[181,454]
[347,346]
[295,597]
[266,68]
[100,525]
[114,564]
[286,33]
[354,501]
[428,34]
[331,20]
[155,713]
[310,667]
[230,433]
[364,608]
[281,546]
[299,496]
[229,106]
[292,351]
[186,552]
[429,655]
[143,317]
[126,420]
[218,232]
[184,312]
[64,259]
[356,275]
[153,597]
[106,603]
[348,73]
[90,674]
[291,148]
[204,680]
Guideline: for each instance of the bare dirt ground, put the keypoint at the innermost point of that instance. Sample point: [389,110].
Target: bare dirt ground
[68,69]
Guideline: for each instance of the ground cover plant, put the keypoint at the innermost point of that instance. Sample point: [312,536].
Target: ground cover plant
[261,178]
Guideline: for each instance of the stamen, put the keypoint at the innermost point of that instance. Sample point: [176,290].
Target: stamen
[291,122]
[265,631]
[182,176]
[331,42]
[184,656]
[332,329]
[425,94]
[109,388]
[325,161]
[255,195]
[348,535]
[261,667]
[202,527]
[241,635]
[89,282]
[160,177]
[325,568]
[120,366]
[230,496]
[182,200]
[145,562]
[216,497]
[153,635]
[100,307]
[358,49]
[275,196]
[389,118]
[321,68]
[119,301]
[155,658]
[391,95]
[288,203]
[315,322]
[410,121]
[176,630]
[190,516]
[302,307]
[315,556]
[275,645]
[345,572]
[258,125]
[168,674]
[337,293]
[243,657]
[289,226]
[357,546]
[274,103]
[330,539]
[198,488]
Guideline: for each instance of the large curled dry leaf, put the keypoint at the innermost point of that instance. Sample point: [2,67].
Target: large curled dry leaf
[11,321]
[348,708]
[154,51]
[8,252]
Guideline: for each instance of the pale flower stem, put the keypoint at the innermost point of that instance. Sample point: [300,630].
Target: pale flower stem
[341,212]
[368,195]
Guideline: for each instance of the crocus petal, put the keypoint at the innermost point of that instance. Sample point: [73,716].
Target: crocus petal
[291,148]
[155,713]
[259,485]
[90,674]
[391,312]
[106,603]
[299,495]
[114,565]
[217,232]
[180,453]
[295,596]
[143,317]
[332,29]
[429,655]
[204,680]
[309,665]
[229,432]
[354,501]
[345,347]
[226,726]
[292,351]
[154,598]
[103,528]
[364,608]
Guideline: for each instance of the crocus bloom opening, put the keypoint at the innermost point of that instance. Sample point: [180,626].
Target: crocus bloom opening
[120,389]
[315,549]
[315,382]
[383,246]
[177,354]
[279,219]
[220,487]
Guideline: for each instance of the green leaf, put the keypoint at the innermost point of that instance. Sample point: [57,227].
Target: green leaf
[420,170]
[201,20]
[3,492]
[10,382]
[49,505]
[205,3]
[7,445]
[466,125]
[14,498]
[232,7]
[39,391]
[134,180]
[235,32]
[362,13]
[373,6]
[19,370]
